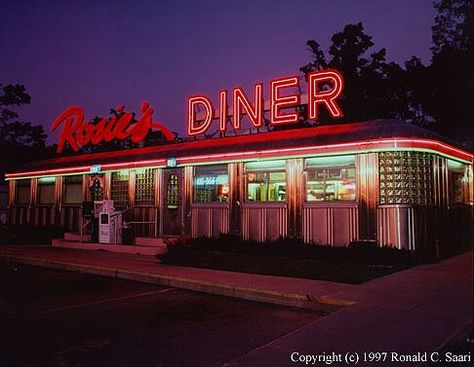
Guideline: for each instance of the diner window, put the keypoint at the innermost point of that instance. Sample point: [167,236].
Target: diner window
[211,184]
[72,189]
[119,189]
[145,187]
[95,188]
[330,178]
[266,181]
[46,190]
[172,192]
[457,178]
[23,190]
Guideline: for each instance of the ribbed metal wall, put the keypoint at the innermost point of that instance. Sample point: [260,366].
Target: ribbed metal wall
[335,225]
[210,220]
[263,222]
[367,194]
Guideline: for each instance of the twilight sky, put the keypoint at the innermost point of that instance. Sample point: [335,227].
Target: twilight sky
[99,53]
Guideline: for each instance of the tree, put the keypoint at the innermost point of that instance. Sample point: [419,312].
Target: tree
[374,88]
[20,141]
[452,80]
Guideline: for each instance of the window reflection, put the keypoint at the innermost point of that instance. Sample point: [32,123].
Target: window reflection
[330,178]
[211,184]
[266,181]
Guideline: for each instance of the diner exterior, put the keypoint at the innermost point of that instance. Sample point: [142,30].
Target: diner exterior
[385,180]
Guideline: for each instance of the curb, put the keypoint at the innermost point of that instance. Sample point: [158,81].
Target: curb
[305,301]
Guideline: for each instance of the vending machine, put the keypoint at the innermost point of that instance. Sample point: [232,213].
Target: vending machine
[110,222]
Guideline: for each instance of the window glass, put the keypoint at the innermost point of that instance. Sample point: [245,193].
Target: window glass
[406,177]
[119,189]
[211,184]
[46,190]
[266,181]
[172,192]
[330,178]
[457,178]
[23,188]
[72,189]
[145,187]
[95,187]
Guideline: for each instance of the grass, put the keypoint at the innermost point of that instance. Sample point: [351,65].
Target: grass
[291,257]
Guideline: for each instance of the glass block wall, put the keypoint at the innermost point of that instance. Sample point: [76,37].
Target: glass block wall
[145,187]
[406,178]
[119,189]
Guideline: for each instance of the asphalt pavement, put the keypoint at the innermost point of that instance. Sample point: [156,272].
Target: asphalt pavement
[57,318]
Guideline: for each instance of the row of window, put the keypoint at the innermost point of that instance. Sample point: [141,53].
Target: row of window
[326,179]
[404,177]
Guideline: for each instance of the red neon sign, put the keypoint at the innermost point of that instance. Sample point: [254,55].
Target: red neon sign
[78,133]
[324,88]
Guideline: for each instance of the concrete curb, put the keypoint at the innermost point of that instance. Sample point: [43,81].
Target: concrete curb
[305,301]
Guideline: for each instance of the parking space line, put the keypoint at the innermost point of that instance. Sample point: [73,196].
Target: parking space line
[84,305]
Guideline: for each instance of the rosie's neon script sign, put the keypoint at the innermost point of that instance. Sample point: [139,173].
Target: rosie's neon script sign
[78,133]
[254,108]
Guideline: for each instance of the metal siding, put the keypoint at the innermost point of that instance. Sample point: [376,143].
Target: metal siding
[367,193]
[295,193]
[334,224]
[264,221]
[209,220]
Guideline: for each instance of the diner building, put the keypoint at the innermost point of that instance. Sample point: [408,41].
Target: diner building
[385,180]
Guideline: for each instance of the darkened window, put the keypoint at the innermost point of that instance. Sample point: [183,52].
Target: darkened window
[330,178]
[46,190]
[96,190]
[23,189]
[172,192]
[266,181]
[145,187]
[119,189]
[406,178]
[211,183]
[72,189]
[457,182]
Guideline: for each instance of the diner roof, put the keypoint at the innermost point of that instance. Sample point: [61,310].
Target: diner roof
[373,135]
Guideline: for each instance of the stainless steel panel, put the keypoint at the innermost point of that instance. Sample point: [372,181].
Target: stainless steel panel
[235,196]
[188,199]
[294,195]
[264,221]
[334,224]
[367,193]
[70,218]
[210,220]
[396,226]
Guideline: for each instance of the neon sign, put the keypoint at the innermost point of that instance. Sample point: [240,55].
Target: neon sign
[200,122]
[78,133]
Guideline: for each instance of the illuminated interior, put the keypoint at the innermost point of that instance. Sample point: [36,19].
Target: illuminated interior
[331,178]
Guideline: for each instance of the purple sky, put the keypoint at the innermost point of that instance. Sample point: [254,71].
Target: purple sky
[98,54]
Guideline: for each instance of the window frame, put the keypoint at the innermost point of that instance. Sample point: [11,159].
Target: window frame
[195,176]
[267,173]
[307,168]
[64,192]
[17,191]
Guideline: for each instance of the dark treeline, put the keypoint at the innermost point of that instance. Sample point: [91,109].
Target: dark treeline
[437,96]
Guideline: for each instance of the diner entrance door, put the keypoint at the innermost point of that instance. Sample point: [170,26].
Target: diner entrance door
[172,203]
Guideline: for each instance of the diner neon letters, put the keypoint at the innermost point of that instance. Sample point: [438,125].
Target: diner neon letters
[324,88]
[78,133]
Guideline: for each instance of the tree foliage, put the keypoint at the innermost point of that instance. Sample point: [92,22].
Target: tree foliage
[450,97]
[374,88]
[20,141]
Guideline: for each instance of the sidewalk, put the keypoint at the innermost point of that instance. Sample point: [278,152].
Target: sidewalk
[309,294]
[415,310]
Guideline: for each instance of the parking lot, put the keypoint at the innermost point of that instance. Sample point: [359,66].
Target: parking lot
[56,318]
